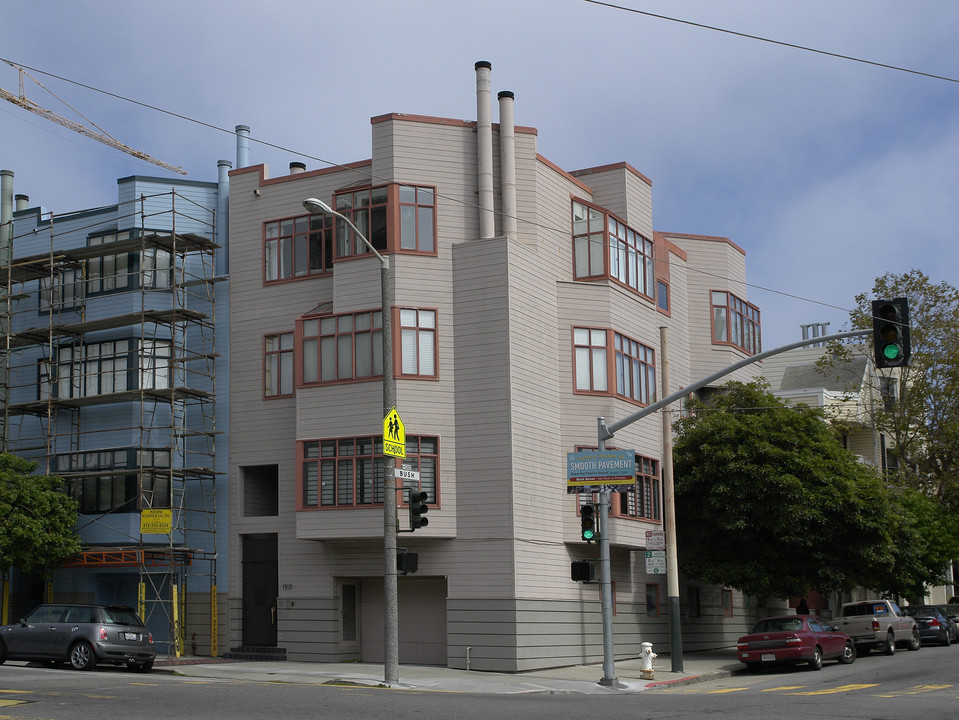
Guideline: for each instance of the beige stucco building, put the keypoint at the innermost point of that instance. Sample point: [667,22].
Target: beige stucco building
[528,302]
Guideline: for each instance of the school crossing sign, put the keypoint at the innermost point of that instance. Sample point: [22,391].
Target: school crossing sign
[394,435]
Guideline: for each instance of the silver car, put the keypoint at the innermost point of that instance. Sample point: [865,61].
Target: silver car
[82,635]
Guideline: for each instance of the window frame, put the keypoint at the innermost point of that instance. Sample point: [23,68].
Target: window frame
[326,322]
[422,454]
[586,346]
[623,249]
[419,332]
[648,493]
[279,357]
[134,485]
[304,231]
[361,206]
[739,321]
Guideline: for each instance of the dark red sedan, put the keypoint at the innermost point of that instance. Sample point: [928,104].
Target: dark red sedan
[795,639]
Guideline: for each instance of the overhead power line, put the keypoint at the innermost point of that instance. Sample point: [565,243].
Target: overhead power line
[275,146]
[773,42]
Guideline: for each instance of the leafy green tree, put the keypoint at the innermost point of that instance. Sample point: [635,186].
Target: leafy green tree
[921,411]
[768,501]
[926,539]
[37,530]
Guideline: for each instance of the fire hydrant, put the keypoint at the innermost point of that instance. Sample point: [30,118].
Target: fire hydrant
[648,656]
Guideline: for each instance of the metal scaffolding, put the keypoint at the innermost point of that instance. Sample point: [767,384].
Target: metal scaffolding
[110,382]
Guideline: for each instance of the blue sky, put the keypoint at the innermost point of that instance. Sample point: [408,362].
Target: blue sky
[827,172]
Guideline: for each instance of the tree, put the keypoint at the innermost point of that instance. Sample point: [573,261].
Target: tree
[38,517]
[921,412]
[768,501]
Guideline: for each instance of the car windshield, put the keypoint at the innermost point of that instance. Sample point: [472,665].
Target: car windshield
[919,610]
[120,616]
[777,625]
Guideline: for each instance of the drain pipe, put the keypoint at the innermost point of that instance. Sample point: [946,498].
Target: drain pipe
[468,657]
[507,154]
[484,149]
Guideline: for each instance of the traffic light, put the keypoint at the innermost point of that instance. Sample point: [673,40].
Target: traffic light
[581,571]
[407,561]
[418,508]
[587,521]
[890,332]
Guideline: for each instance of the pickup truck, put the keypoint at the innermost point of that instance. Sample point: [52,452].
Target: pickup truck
[878,624]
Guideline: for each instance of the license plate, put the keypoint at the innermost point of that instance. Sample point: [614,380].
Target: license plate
[768,657]
[130,636]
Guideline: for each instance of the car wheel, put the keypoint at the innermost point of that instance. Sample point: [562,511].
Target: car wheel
[915,642]
[816,662]
[3,653]
[140,667]
[848,653]
[946,640]
[82,657]
[889,647]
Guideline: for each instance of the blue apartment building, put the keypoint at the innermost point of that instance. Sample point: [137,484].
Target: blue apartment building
[113,367]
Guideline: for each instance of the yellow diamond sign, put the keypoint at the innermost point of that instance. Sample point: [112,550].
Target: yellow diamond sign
[394,435]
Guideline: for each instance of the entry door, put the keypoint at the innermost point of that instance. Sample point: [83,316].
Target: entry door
[260,585]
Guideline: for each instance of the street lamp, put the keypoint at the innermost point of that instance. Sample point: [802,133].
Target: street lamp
[391,623]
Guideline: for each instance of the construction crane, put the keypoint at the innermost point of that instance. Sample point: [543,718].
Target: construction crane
[21,101]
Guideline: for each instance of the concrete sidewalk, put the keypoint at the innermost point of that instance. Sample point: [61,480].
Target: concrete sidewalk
[697,667]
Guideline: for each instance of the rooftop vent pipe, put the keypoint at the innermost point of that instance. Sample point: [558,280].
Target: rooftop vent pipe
[484,148]
[242,146]
[297,167]
[21,201]
[507,155]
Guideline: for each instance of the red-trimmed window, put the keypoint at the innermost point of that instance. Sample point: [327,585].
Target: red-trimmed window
[394,218]
[631,364]
[297,247]
[417,218]
[591,360]
[418,342]
[278,365]
[348,472]
[645,503]
[735,322]
[635,369]
[604,246]
[341,348]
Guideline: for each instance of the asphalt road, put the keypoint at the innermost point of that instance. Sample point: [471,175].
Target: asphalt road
[922,685]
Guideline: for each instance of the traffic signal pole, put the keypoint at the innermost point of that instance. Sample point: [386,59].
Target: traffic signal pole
[606,432]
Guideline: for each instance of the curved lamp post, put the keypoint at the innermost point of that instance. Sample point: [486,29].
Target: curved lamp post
[391,623]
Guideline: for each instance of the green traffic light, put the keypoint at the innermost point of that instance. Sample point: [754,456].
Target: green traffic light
[588,534]
[891,352]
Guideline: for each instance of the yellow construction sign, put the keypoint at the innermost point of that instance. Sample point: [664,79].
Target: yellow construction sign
[394,435]
[156,521]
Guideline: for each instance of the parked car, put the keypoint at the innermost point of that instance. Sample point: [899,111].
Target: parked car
[934,625]
[794,639]
[82,635]
[878,625]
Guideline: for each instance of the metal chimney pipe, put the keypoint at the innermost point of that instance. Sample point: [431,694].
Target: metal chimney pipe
[222,230]
[21,202]
[507,154]
[6,213]
[242,146]
[297,167]
[484,148]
